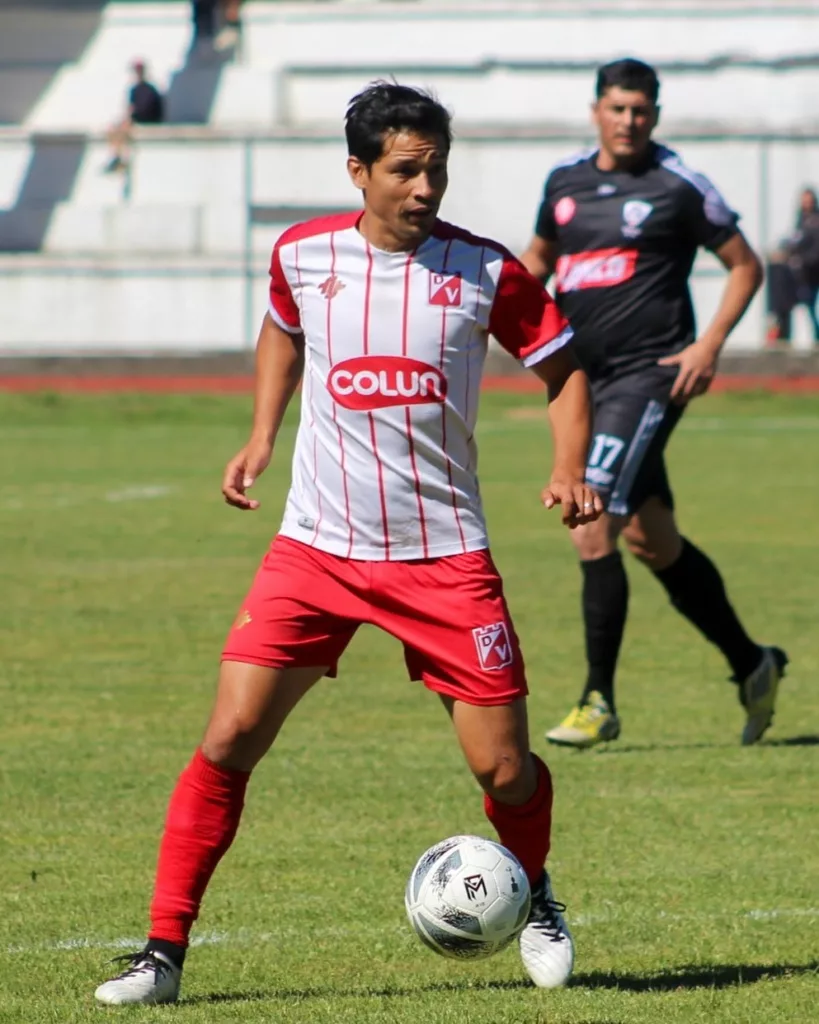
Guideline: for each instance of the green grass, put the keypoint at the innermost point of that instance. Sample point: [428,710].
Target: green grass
[690,864]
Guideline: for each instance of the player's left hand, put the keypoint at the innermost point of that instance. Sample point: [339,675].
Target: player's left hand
[578,502]
[697,367]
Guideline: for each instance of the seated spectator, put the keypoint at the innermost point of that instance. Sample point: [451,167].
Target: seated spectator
[145,106]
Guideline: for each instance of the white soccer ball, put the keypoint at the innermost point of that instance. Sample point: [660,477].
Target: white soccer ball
[467,898]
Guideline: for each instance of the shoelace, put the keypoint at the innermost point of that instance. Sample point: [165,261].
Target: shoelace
[141,962]
[544,917]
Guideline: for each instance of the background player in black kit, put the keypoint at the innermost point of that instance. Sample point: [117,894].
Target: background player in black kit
[619,227]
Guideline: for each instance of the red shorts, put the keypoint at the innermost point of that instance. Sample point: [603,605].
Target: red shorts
[305,605]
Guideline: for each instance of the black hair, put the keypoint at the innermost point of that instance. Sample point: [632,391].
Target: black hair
[384,108]
[629,74]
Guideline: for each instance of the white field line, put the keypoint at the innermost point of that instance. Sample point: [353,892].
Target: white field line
[146,492]
[244,936]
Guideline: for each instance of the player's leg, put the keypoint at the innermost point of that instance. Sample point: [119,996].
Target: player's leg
[459,639]
[630,429]
[284,639]
[604,604]
[696,589]
[518,795]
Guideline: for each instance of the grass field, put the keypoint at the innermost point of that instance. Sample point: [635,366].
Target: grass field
[690,865]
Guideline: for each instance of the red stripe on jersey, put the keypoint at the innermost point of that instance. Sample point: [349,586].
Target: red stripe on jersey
[444,410]
[335,414]
[281,298]
[469,343]
[379,466]
[309,401]
[410,442]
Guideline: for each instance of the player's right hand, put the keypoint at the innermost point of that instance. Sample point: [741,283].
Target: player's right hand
[579,503]
[241,473]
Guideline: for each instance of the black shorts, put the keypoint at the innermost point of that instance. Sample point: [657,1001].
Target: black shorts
[633,420]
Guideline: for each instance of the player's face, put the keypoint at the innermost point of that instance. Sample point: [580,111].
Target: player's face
[625,120]
[403,189]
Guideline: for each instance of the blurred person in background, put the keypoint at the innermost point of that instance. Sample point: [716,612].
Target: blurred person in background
[145,106]
[619,226]
[216,25]
[203,15]
[793,272]
[229,35]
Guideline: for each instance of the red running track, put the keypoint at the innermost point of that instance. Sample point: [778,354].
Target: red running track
[187,384]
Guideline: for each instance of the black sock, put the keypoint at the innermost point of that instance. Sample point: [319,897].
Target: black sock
[605,604]
[696,590]
[174,953]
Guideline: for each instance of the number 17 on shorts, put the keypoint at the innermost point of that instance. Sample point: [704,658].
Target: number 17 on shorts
[494,648]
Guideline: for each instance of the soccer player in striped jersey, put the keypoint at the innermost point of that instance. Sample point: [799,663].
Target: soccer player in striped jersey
[384,315]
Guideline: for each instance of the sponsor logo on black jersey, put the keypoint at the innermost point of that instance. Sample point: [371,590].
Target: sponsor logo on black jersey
[600,268]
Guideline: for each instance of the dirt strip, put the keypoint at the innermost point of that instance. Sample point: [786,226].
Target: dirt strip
[243,384]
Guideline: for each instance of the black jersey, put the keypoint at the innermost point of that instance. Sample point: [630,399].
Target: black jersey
[626,242]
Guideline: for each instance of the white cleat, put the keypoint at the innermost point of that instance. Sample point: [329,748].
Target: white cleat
[546,946]
[151,978]
[758,693]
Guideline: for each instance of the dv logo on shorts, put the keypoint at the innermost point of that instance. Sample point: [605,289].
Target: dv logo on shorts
[444,289]
[494,648]
[377,382]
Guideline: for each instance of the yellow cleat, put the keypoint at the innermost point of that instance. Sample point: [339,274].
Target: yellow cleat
[587,724]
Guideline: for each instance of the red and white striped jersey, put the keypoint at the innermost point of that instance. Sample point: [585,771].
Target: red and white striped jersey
[385,460]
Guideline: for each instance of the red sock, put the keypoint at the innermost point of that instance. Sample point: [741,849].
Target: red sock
[526,830]
[203,816]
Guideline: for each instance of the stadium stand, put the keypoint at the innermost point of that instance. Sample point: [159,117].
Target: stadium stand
[253,140]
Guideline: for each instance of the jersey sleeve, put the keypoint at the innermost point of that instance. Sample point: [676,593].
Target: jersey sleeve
[524,317]
[282,307]
[711,221]
[545,225]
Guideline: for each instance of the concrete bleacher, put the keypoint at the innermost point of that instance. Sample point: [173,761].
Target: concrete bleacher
[268,139]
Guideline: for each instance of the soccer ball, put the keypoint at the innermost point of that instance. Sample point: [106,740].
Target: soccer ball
[467,898]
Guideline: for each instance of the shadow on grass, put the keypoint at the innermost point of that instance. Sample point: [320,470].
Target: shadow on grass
[655,748]
[809,740]
[685,977]
[692,977]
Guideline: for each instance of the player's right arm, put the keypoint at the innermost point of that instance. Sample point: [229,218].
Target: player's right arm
[279,367]
[540,257]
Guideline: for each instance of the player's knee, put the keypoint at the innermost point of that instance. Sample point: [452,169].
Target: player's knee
[639,546]
[233,743]
[510,779]
[595,540]
[656,548]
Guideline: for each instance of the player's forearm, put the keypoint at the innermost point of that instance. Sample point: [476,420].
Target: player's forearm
[279,366]
[538,263]
[742,284]
[570,418]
